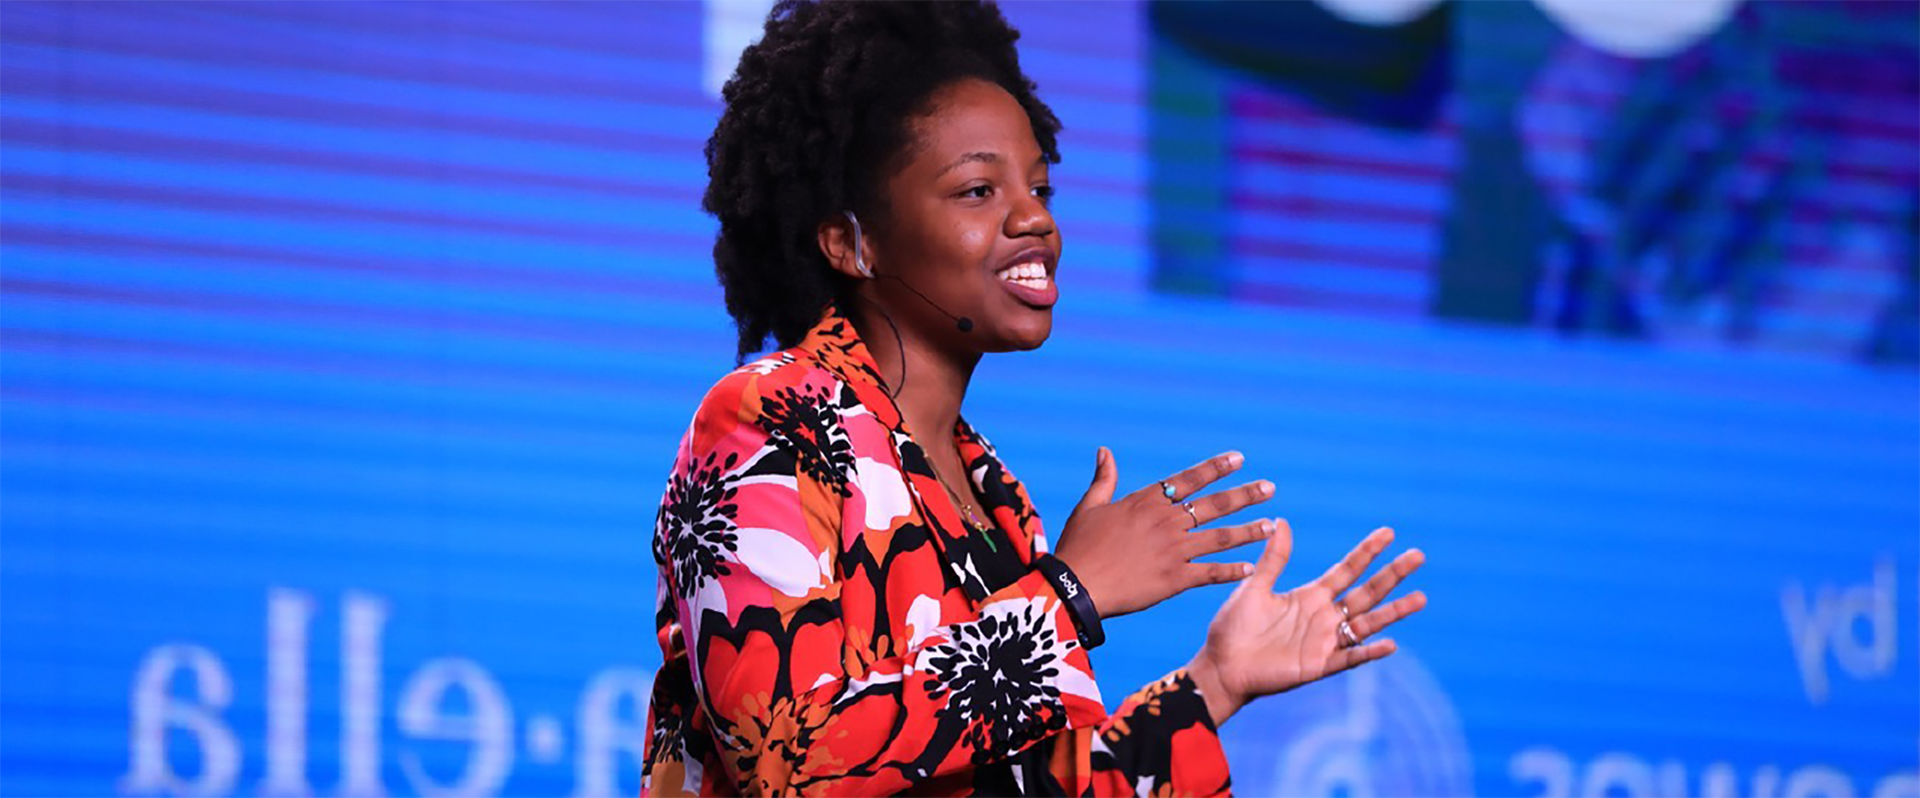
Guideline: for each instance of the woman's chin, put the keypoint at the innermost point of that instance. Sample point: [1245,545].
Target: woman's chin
[1025,334]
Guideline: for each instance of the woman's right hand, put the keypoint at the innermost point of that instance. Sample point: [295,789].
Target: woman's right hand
[1136,551]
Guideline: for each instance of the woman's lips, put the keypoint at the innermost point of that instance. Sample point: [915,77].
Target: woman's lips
[1039,292]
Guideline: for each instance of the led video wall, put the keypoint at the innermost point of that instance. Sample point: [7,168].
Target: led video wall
[344,348]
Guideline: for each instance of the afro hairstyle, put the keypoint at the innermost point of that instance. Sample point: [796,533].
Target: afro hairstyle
[816,115]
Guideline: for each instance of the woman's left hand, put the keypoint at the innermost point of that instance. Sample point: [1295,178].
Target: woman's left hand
[1262,642]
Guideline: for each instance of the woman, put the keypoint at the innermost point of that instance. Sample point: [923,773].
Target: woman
[856,597]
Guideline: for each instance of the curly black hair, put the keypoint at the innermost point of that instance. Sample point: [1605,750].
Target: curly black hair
[817,112]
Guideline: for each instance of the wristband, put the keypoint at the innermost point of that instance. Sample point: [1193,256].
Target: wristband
[1086,619]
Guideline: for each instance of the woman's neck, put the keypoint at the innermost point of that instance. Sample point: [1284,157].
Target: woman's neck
[927,383]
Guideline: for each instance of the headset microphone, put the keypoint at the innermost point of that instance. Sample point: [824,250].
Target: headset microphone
[860,262]
[964,323]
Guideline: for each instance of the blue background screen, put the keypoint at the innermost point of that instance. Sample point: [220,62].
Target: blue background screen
[346,347]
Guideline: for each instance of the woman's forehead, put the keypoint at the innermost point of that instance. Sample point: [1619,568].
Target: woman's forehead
[973,121]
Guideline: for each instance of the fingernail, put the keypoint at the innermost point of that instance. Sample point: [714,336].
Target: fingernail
[1246,569]
[1266,528]
[1235,459]
[1266,488]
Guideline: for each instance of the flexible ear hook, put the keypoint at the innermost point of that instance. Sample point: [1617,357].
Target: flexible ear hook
[859,261]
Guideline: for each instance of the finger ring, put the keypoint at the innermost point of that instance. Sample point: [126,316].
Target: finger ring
[1347,638]
[1166,489]
[1188,506]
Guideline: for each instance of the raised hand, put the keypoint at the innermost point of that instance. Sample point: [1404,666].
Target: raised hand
[1136,551]
[1262,642]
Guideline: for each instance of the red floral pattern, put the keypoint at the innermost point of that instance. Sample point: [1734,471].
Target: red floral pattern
[830,626]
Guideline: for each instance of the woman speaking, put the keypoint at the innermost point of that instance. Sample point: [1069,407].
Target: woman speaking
[856,597]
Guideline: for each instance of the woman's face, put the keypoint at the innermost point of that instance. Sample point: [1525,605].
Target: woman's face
[970,226]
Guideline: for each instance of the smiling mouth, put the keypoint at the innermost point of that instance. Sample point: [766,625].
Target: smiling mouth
[1032,275]
[1028,279]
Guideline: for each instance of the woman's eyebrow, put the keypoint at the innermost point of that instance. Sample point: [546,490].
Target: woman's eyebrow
[982,157]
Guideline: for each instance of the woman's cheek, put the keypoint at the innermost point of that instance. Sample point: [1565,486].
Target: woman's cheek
[974,243]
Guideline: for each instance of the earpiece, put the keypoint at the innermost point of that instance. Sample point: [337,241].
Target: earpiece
[859,260]
[964,323]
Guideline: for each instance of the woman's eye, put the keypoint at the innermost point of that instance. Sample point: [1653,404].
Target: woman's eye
[1045,193]
[978,192]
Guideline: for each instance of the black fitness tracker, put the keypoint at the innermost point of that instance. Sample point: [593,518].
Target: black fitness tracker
[1086,619]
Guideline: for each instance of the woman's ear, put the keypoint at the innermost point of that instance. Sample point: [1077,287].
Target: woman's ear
[840,240]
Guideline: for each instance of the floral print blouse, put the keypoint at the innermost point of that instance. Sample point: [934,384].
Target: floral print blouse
[829,626]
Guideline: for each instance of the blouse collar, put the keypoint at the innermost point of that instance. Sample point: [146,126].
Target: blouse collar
[836,345]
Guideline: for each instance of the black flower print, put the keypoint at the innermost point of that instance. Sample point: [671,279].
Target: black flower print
[668,728]
[696,523]
[989,474]
[999,671]
[782,728]
[769,364]
[839,349]
[803,423]
[990,477]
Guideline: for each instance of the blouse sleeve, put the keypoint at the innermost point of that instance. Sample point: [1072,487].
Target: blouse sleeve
[1161,741]
[752,523]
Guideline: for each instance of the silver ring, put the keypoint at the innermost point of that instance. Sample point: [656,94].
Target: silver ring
[1347,638]
[1167,490]
[1188,506]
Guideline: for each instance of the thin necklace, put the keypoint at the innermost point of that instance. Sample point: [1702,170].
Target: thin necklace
[967,514]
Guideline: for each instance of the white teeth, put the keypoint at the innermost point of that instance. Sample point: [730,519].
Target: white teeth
[1029,274]
[1037,283]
